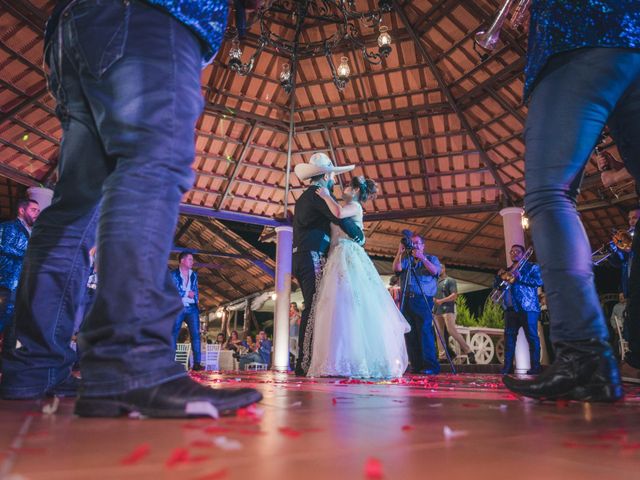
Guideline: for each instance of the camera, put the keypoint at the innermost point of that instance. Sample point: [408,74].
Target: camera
[407,235]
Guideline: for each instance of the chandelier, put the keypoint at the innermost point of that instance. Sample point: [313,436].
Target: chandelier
[337,20]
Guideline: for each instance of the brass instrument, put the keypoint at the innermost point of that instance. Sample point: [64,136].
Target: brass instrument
[508,278]
[488,39]
[622,239]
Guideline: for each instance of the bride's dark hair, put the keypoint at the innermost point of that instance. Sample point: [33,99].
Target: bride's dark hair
[367,188]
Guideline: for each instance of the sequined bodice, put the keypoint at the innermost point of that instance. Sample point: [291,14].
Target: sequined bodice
[562,25]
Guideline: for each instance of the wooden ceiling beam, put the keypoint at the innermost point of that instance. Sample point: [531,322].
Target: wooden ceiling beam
[432,211]
[452,101]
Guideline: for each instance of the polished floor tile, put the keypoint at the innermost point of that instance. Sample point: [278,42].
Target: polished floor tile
[454,427]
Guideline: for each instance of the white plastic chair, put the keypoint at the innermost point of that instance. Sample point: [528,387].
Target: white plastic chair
[623,345]
[183,354]
[212,357]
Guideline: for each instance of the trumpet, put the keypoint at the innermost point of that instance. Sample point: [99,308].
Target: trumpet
[621,239]
[488,39]
[508,278]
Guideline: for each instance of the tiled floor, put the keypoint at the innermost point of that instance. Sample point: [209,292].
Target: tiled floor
[446,427]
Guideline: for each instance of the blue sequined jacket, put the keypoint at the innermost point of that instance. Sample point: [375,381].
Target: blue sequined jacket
[561,25]
[206,18]
[177,280]
[14,239]
[523,294]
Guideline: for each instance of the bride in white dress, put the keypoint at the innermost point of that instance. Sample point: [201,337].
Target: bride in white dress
[358,330]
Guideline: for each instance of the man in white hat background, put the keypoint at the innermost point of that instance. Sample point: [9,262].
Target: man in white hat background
[311,238]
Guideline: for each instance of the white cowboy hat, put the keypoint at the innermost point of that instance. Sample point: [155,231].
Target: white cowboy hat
[319,164]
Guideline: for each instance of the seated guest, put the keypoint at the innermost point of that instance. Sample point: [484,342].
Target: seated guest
[234,343]
[221,339]
[262,353]
[294,320]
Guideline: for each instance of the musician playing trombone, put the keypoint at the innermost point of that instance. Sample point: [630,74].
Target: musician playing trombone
[582,73]
[521,307]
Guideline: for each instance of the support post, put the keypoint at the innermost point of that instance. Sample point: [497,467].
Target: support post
[284,254]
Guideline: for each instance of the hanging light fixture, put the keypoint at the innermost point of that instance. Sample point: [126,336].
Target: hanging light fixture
[285,78]
[339,23]
[384,41]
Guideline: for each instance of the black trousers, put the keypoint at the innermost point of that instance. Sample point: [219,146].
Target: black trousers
[307,268]
[529,323]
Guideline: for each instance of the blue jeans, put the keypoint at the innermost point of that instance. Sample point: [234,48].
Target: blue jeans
[191,316]
[421,345]
[577,94]
[126,77]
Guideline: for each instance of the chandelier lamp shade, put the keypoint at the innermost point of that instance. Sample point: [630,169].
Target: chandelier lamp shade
[284,27]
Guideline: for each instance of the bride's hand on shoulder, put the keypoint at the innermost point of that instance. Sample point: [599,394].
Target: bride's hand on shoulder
[323,192]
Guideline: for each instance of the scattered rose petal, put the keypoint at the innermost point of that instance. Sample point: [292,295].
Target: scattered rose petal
[216,429]
[470,405]
[214,475]
[252,412]
[201,444]
[290,432]
[296,404]
[407,428]
[227,444]
[373,468]
[334,401]
[178,456]
[435,405]
[450,433]
[562,403]
[138,453]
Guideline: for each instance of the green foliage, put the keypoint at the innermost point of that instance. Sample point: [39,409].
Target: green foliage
[464,316]
[492,315]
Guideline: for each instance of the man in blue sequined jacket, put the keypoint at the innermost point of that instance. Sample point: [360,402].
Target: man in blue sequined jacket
[186,282]
[582,73]
[14,238]
[126,78]
[521,310]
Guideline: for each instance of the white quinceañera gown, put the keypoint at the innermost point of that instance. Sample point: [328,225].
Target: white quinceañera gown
[357,329]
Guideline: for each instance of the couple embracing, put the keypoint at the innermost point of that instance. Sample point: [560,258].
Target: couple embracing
[351,326]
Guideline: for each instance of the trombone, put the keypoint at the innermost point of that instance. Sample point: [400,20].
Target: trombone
[488,39]
[621,239]
[508,278]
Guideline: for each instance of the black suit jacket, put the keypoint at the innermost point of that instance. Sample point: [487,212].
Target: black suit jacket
[311,224]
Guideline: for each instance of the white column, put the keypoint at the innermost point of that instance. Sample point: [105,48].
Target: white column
[41,195]
[284,253]
[514,235]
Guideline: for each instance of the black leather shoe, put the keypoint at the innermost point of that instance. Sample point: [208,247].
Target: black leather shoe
[534,370]
[197,367]
[472,358]
[300,372]
[177,398]
[585,370]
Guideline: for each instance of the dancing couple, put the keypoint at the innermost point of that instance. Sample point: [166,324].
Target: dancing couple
[351,326]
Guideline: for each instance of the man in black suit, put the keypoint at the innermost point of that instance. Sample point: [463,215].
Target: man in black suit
[311,239]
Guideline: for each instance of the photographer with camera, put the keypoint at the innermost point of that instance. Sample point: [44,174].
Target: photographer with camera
[417,301]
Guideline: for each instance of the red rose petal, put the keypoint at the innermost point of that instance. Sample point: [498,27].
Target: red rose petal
[406,428]
[136,455]
[179,455]
[290,432]
[373,468]
[215,475]
[202,444]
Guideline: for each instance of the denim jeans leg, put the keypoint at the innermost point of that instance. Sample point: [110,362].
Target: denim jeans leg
[414,316]
[145,105]
[56,264]
[571,103]
[193,324]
